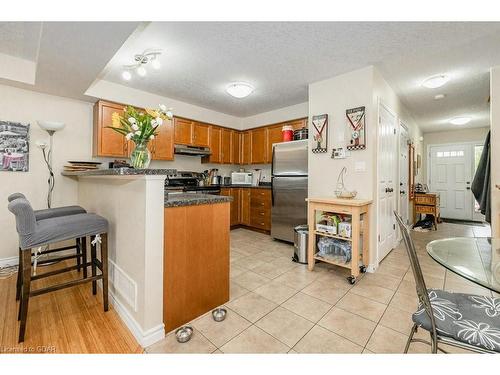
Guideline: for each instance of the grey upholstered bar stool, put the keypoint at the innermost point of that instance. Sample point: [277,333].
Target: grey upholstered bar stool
[33,233]
[48,213]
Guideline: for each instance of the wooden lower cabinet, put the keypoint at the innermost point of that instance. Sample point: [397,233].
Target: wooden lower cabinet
[195,262]
[235,193]
[251,207]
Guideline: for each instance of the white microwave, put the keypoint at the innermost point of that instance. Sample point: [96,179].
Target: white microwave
[241,178]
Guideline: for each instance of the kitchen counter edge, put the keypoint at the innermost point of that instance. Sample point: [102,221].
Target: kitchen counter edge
[180,200]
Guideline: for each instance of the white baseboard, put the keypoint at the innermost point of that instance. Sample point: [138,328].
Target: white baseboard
[11,261]
[144,338]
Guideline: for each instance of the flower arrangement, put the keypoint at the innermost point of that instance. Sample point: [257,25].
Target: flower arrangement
[140,127]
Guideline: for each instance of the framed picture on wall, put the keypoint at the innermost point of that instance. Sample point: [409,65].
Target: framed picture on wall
[14,146]
[320,133]
[356,124]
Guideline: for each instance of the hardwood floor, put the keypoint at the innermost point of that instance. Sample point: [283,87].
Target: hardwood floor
[67,321]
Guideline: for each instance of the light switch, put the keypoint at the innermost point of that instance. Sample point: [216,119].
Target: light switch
[360,166]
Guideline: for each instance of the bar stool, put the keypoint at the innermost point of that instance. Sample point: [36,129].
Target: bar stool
[48,213]
[33,233]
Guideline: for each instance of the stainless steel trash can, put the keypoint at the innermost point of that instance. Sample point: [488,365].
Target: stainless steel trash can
[301,240]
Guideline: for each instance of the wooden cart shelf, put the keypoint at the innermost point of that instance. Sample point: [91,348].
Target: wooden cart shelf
[326,234]
[359,210]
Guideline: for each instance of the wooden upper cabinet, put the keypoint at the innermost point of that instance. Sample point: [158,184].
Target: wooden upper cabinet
[235,147]
[183,130]
[163,144]
[246,148]
[259,146]
[274,135]
[225,146]
[215,146]
[201,134]
[107,142]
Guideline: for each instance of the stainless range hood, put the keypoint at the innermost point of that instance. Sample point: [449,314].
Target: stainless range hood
[191,150]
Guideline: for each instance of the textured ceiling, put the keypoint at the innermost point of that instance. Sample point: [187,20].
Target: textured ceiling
[20,39]
[71,54]
[281,58]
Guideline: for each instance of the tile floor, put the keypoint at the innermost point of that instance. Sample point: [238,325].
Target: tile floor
[278,306]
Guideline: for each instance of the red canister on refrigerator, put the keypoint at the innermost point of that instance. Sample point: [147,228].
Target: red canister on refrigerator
[287,132]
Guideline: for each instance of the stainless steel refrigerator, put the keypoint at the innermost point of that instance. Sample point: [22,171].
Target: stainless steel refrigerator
[289,188]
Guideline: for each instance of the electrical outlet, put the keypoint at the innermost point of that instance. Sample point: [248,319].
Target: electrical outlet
[360,166]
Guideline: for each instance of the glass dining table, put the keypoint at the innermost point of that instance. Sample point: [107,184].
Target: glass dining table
[475,259]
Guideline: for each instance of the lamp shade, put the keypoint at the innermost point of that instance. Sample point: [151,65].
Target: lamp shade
[52,126]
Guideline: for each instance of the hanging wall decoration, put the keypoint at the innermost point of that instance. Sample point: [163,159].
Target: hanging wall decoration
[14,146]
[356,124]
[320,136]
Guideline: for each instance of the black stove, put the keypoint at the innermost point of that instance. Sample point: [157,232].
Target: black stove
[188,182]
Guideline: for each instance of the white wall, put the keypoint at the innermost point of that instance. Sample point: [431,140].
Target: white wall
[456,136]
[333,96]
[282,114]
[127,95]
[363,87]
[71,143]
[495,150]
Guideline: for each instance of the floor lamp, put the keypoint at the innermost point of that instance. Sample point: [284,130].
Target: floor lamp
[50,127]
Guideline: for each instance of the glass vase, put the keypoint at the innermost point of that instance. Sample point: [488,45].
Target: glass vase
[141,156]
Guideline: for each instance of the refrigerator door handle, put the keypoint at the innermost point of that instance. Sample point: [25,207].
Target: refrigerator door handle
[272,162]
[272,192]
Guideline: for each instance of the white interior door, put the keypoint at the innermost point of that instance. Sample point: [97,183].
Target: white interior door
[403,173]
[387,168]
[451,176]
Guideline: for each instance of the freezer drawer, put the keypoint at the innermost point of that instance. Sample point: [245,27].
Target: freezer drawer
[289,206]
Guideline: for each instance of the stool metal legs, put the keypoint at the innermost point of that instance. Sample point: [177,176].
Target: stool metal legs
[19,276]
[79,253]
[104,270]
[25,292]
[93,268]
[24,278]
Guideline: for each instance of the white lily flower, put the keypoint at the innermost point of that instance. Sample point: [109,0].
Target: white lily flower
[153,122]
[159,121]
[132,120]
[152,136]
[169,114]
[138,132]
[163,107]
[129,136]
[135,127]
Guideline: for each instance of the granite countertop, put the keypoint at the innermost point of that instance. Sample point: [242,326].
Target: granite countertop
[193,199]
[247,186]
[120,172]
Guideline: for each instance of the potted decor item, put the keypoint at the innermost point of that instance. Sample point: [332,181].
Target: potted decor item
[140,127]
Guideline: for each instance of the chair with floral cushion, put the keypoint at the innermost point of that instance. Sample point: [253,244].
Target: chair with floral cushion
[465,321]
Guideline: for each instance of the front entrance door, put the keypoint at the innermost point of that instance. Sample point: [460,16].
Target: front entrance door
[451,176]
[387,168]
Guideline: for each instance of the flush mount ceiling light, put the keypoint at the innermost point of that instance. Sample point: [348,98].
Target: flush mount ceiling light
[239,89]
[435,81]
[141,61]
[439,96]
[462,120]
